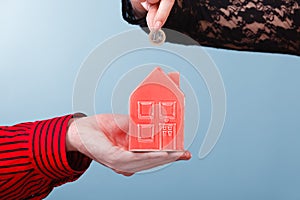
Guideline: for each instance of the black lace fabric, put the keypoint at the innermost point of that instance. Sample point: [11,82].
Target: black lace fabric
[250,25]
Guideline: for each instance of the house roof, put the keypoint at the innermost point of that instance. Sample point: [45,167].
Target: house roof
[158,76]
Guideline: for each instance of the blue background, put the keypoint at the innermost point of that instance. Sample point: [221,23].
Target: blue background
[42,45]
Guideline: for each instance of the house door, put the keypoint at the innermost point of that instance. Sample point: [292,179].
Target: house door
[157,130]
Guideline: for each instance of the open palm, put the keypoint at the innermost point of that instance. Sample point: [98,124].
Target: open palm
[104,138]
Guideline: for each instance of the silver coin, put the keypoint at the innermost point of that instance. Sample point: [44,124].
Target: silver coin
[157,37]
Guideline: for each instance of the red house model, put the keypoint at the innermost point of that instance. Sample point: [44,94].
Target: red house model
[157,114]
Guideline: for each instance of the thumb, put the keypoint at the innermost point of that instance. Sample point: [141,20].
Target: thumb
[121,121]
[162,14]
[114,122]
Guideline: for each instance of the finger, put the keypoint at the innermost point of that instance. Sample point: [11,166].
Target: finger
[150,155]
[134,157]
[156,162]
[124,173]
[127,161]
[153,160]
[185,156]
[164,9]
[130,162]
[123,158]
[151,15]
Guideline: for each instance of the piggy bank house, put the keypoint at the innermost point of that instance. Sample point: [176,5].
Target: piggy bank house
[157,114]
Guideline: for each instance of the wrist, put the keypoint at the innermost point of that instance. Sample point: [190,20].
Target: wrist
[72,143]
[69,142]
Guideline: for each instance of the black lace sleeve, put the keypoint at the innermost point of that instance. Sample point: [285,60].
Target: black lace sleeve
[128,14]
[250,25]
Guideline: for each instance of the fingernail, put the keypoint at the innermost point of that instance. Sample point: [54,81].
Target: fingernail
[157,25]
[185,156]
[127,174]
[188,155]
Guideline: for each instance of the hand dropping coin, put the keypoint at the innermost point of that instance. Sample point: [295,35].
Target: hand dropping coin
[157,37]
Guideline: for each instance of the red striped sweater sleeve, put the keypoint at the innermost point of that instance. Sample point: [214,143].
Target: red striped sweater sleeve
[33,159]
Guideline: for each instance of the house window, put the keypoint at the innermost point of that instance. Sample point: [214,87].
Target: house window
[145,132]
[167,129]
[167,109]
[145,109]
